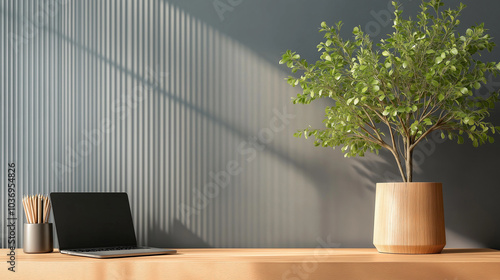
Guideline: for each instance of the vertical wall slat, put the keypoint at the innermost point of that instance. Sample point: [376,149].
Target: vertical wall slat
[168,98]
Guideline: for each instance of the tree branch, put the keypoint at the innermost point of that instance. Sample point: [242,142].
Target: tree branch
[431,129]
[396,155]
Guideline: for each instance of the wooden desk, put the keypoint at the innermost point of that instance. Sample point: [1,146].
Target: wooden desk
[236,264]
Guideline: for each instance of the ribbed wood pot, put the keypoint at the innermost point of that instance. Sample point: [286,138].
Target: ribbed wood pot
[409,218]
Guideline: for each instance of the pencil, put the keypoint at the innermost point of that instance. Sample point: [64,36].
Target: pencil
[26,210]
[32,208]
[48,209]
[44,209]
[39,202]
[36,208]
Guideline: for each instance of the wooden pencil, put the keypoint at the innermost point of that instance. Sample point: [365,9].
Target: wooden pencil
[26,210]
[36,208]
[30,212]
[32,208]
[48,209]
[44,209]
[39,201]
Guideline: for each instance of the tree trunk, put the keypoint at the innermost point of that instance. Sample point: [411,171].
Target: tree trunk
[409,165]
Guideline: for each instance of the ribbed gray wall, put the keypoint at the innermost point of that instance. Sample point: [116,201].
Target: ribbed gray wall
[154,97]
[139,96]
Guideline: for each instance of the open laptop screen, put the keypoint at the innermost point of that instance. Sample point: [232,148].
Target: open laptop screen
[91,220]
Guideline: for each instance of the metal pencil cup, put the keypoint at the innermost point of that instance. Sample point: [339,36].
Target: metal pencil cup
[38,238]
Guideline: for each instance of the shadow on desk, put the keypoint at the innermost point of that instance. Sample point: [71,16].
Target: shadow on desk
[179,236]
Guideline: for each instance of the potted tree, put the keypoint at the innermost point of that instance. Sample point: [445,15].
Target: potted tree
[419,80]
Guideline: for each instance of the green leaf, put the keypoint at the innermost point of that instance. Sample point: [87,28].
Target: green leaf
[446,69]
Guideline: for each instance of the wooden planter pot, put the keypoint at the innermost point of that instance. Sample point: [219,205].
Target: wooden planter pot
[409,218]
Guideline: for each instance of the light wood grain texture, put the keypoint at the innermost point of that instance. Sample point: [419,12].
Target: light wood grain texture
[409,218]
[246,264]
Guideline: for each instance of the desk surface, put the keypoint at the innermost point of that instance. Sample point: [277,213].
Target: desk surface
[452,264]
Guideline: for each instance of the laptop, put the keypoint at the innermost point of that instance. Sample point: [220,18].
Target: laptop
[97,225]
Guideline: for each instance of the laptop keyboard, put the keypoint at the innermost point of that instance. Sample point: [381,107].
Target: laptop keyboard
[106,249]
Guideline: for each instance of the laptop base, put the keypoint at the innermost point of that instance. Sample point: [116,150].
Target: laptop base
[140,251]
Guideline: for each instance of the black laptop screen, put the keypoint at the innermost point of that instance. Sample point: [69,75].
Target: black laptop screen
[89,220]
